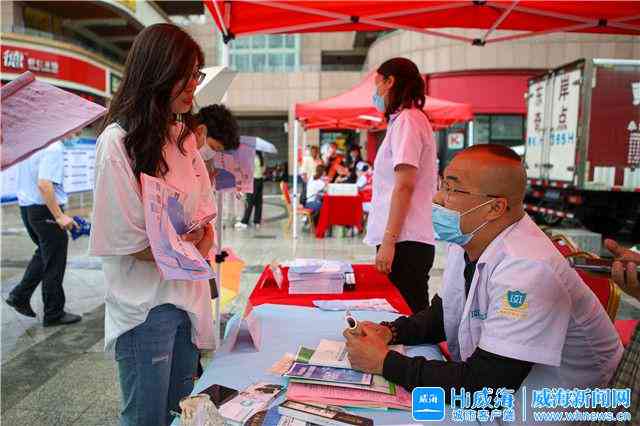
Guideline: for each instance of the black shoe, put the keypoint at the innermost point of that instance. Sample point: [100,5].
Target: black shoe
[65,319]
[21,308]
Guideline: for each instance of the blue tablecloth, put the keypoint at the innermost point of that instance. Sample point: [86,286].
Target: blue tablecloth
[284,328]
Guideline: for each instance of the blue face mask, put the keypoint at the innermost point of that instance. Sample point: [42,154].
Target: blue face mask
[378,101]
[446,224]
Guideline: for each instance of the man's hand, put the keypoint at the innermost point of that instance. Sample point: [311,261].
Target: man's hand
[384,257]
[66,223]
[368,327]
[626,278]
[366,352]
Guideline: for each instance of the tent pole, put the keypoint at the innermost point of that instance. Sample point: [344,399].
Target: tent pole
[294,195]
[219,228]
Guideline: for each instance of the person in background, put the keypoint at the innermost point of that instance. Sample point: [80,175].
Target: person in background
[404,182]
[343,174]
[333,161]
[355,158]
[627,375]
[315,189]
[155,326]
[41,199]
[219,128]
[364,182]
[254,199]
[308,169]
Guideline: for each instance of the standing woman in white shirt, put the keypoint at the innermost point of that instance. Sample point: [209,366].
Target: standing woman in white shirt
[155,326]
[404,182]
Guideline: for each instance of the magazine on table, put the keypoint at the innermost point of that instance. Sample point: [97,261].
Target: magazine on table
[328,374]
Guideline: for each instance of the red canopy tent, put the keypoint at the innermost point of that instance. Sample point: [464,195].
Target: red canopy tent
[530,18]
[354,110]
[247,17]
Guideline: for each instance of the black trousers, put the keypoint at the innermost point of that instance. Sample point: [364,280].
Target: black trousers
[48,263]
[410,272]
[254,200]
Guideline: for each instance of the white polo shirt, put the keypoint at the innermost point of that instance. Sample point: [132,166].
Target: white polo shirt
[527,303]
[409,140]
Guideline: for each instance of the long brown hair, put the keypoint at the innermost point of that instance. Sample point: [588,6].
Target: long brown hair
[408,90]
[161,56]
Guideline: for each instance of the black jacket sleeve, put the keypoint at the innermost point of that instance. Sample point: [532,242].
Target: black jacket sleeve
[481,369]
[427,326]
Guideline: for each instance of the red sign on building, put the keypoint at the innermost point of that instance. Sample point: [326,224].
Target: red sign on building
[17,60]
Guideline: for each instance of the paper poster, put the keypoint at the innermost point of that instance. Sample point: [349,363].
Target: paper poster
[233,170]
[35,114]
[177,259]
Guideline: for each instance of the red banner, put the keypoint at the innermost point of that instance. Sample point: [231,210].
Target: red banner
[46,64]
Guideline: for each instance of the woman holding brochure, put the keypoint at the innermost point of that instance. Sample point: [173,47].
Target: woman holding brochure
[155,326]
[404,182]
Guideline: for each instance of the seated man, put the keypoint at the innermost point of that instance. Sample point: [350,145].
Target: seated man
[512,312]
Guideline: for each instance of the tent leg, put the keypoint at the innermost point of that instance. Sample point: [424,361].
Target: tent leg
[217,327]
[294,195]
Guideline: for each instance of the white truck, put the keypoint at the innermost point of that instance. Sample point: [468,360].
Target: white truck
[583,145]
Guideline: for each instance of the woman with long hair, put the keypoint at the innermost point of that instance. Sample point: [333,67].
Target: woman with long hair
[404,183]
[155,326]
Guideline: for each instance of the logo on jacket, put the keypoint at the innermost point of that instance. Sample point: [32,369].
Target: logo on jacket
[514,305]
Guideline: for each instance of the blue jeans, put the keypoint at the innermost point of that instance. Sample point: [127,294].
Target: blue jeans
[314,205]
[156,365]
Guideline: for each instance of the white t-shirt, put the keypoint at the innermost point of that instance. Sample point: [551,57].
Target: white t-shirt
[314,186]
[134,287]
[409,140]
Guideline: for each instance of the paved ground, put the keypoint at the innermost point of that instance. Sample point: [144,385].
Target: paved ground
[61,376]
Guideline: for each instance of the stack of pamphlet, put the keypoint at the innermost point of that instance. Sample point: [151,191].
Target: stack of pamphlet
[318,276]
[324,376]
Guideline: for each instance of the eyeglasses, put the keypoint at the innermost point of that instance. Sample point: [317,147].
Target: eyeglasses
[445,186]
[198,76]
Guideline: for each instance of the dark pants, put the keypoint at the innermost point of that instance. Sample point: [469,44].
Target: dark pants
[254,200]
[48,262]
[410,272]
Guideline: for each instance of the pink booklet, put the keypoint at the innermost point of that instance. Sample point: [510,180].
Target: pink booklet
[35,114]
[333,395]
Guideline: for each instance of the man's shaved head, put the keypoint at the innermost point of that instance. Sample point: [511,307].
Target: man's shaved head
[491,169]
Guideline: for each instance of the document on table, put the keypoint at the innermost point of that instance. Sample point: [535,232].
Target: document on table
[333,395]
[378,305]
[177,259]
[328,374]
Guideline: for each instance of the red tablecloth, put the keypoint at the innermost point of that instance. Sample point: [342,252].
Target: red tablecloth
[370,284]
[339,210]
